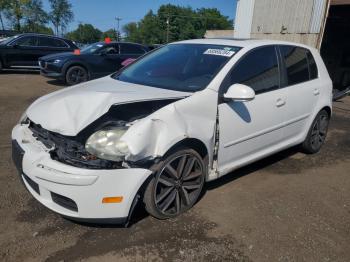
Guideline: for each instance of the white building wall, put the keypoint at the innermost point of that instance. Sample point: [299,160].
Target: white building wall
[244,17]
[319,12]
[290,20]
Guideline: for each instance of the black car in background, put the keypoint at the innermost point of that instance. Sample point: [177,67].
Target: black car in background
[93,61]
[23,50]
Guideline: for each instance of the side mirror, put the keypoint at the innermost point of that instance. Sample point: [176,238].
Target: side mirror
[239,92]
[15,46]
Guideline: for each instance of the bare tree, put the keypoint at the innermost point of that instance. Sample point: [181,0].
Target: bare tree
[4,4]
[14,12]
[34,15]
[61,14]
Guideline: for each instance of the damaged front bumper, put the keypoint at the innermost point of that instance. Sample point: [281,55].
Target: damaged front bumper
[73,191]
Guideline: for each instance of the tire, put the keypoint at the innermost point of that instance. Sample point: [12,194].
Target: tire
[317,133]
[176,185]
[76,75]
[0,66]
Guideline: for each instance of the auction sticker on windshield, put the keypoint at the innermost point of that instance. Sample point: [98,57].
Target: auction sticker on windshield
[219,52]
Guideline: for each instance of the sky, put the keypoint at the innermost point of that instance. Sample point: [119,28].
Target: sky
[102,13]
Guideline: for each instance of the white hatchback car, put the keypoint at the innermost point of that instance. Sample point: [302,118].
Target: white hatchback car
[184,114]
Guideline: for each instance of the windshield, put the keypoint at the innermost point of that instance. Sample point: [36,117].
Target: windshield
[180,67]
[91,48]
[8,40]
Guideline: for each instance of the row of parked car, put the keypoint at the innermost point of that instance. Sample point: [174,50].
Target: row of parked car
[61,59]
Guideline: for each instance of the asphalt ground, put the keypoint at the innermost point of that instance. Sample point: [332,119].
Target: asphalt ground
[288,207]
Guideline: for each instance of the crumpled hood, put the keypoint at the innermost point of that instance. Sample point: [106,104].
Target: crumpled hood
[70,110]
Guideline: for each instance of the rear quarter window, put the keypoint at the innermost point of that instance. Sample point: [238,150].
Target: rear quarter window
[312,66]
[296,64]
[131,49]
[52,42]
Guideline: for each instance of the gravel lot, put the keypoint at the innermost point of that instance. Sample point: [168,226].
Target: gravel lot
[289,207]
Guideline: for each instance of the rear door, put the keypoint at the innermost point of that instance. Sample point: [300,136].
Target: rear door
[128,50]
[303,86]
[105,61]
[250,130]
[50,45]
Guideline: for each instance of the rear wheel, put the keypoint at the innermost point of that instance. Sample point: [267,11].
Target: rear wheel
[317,133]
[176,185]
[76,75]
[0,66]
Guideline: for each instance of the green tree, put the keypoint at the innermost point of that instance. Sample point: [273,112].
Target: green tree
[132,32]
[149,29]
[173,23]
[41,29]
[178,23]
[14,12]
[111,33]
[214,20]
[4,5]
[61,14]
[85,33]
[35,17]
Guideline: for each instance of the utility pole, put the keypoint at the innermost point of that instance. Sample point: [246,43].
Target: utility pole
[167,28]
[79,28]
[118,21]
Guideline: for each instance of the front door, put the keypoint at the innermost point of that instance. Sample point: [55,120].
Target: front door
[106,61]
[24,52]
[249,130]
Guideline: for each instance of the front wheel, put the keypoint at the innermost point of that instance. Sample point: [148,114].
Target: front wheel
[176,185]
[317,133]
[76,75]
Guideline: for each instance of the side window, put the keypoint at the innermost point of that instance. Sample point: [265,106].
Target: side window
[312,66]
[26,41]
[59,43]
[110,50]
[51,42]
[296,64]
[258,69]
[131,49]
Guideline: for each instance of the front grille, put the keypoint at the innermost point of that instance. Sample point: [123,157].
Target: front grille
[64,202]
[32,184]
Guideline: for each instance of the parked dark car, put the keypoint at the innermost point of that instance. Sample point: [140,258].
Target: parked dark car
[94,61]
[24,50]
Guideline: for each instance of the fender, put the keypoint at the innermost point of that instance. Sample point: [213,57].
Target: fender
[152,136]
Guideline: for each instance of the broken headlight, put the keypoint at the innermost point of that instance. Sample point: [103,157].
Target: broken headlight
[106,144]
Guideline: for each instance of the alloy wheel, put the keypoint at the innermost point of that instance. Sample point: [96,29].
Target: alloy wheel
[77,75]
[319,132]
[179,184]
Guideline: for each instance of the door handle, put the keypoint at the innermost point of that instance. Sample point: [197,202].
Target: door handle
[280,102]
[316,91]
